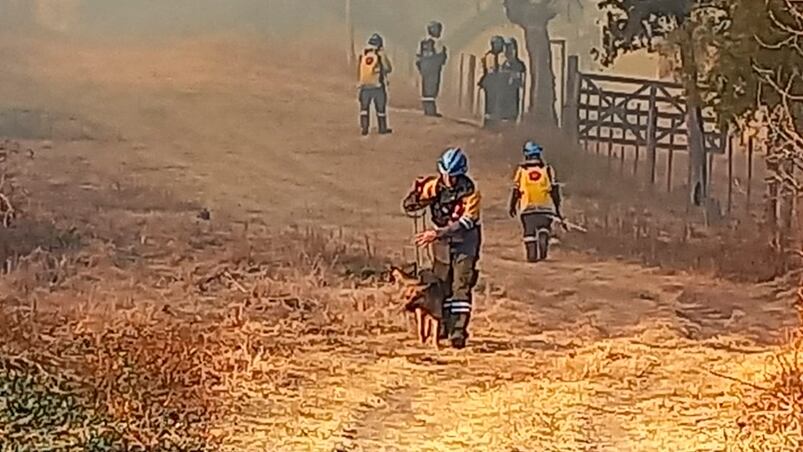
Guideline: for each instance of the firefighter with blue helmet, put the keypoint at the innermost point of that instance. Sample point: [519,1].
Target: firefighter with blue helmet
[430,60]
[454,204]
[374,68]
[536,199]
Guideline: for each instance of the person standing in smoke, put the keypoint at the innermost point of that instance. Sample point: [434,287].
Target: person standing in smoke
[515,72]
[492,81]
[374,68]
[430,59]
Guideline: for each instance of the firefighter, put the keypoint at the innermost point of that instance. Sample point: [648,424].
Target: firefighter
[430,59]
[536,199]
[492,80]
[374,68]
[515,72]
[454,203]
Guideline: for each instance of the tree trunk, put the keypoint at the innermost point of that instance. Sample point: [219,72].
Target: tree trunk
[542,77]
[698,163]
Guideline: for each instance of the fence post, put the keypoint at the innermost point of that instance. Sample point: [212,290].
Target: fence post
[730,173]
[623,134]
[652,130]
[749,172]
[669,161]
[598,137]
[461,81]
[637,153]
[571,109]
[611,130]
[472,82]
[351,54]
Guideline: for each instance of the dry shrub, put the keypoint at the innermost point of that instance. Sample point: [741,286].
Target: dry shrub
[772,411]
[11,195]
[142,337]
[772,415]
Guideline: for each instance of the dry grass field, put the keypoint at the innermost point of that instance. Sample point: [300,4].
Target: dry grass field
[128,321]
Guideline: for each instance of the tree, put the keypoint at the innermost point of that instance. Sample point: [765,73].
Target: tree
[534,16]
[686,25]
[757,83]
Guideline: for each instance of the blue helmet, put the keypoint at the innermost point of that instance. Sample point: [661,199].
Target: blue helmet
[532,150]
[376,40]
[453,162]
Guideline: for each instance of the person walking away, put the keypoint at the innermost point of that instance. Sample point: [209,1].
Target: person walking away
[430,59]
[374,68]
[515,72]
[454,203]
[536,198]
[492,80]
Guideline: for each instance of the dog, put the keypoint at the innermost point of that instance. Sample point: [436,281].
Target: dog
[423,296]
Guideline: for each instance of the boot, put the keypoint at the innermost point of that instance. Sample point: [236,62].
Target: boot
[447,324]
[459,334]
[365,123]
[543,244]
[532,251]
[429,108]
[383,126]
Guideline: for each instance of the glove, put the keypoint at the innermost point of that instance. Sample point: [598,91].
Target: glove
[512,204]
[562,220]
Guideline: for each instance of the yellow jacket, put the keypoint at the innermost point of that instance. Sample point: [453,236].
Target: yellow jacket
[373,68]
[532,184]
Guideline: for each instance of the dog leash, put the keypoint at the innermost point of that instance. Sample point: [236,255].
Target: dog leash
[419,218]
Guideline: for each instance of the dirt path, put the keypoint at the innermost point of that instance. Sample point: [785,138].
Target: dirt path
[571,355]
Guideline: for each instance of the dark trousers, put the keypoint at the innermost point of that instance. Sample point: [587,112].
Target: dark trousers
[430,90]
[458,275]
[511,103]
[379,98]
[536,245]
[493,88]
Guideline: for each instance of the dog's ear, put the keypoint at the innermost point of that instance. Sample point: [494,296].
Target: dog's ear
[395,275]
[399,275]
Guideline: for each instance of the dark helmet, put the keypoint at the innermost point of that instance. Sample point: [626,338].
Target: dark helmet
[376,40]
[435,29]
[512,46]
[497,44]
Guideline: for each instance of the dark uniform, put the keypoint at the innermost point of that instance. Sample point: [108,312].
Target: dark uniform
[515,73]
[374,67]
[455,211]
[493,81]
[536,198]
[430,59]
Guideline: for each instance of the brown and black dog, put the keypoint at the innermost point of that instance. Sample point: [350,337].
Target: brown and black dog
[423,295]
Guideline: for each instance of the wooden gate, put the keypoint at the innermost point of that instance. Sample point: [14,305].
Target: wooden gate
[636,117]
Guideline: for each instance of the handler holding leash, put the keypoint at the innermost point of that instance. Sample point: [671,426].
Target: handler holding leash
[454,204]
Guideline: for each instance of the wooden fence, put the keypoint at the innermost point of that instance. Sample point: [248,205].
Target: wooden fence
[639,125]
